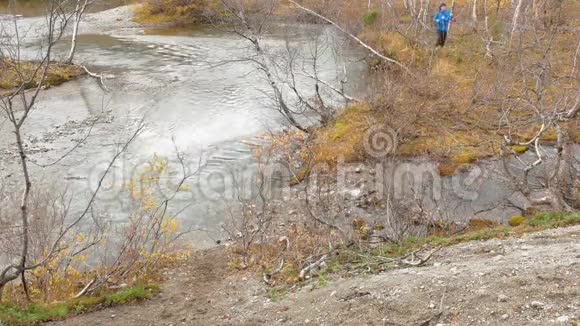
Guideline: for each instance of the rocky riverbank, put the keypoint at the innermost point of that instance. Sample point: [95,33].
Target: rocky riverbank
[530,280]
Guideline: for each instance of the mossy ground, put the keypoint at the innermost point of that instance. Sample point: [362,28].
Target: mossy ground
[12,75]
[34,314]
[174,12]
[341,139]
[478,230]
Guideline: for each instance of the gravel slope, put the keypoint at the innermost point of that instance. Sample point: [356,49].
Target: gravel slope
[531,280]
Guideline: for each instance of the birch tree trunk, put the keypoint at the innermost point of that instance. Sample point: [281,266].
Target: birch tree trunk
[515,20]
[474,14]
[80,8]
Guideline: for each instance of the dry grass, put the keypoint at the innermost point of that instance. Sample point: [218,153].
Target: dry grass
[13,75]
[264,257]
[48,286]
[455,104]
[164,11]
[34,314]
[307,241]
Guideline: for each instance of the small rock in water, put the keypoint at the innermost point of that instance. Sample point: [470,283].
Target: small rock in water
[505,316]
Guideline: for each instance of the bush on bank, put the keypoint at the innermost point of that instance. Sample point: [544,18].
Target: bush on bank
[358,256]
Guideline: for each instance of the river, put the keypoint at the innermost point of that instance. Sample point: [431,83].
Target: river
[176,80]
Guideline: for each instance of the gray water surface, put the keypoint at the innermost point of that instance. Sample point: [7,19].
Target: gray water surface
[177,81]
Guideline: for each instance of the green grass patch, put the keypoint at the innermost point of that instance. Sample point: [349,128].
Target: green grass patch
[370,18]
[343,137]
[278,293]
[520,149]
[516,220]
[554,219]
[34,314]
[541,221]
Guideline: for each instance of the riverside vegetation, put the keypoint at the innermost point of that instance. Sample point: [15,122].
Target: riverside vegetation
[504,88]
[485,95]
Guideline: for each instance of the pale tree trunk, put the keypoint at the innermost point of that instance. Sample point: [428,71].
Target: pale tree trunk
[575,108]
[474,14]
[426,13]
[488,42]
[515,20]
[486,17]
[413,10]
[253,35]
[81,7]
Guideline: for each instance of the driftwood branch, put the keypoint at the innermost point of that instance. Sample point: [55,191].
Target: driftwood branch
[311,267]
[99,77]
[85,289]
[415,260]
[268,276]
[336,90]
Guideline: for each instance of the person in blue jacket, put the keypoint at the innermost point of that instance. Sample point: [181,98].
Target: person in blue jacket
[441,19]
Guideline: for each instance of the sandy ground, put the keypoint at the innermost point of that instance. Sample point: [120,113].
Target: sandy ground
[531,280]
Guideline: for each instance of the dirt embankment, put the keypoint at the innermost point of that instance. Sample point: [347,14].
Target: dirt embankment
[531,280]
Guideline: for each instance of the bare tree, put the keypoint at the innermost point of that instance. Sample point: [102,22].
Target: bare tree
[287,70]
[57,21]
[547,103]
[151,230]
[253,31]
[80,9]
[17,105]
